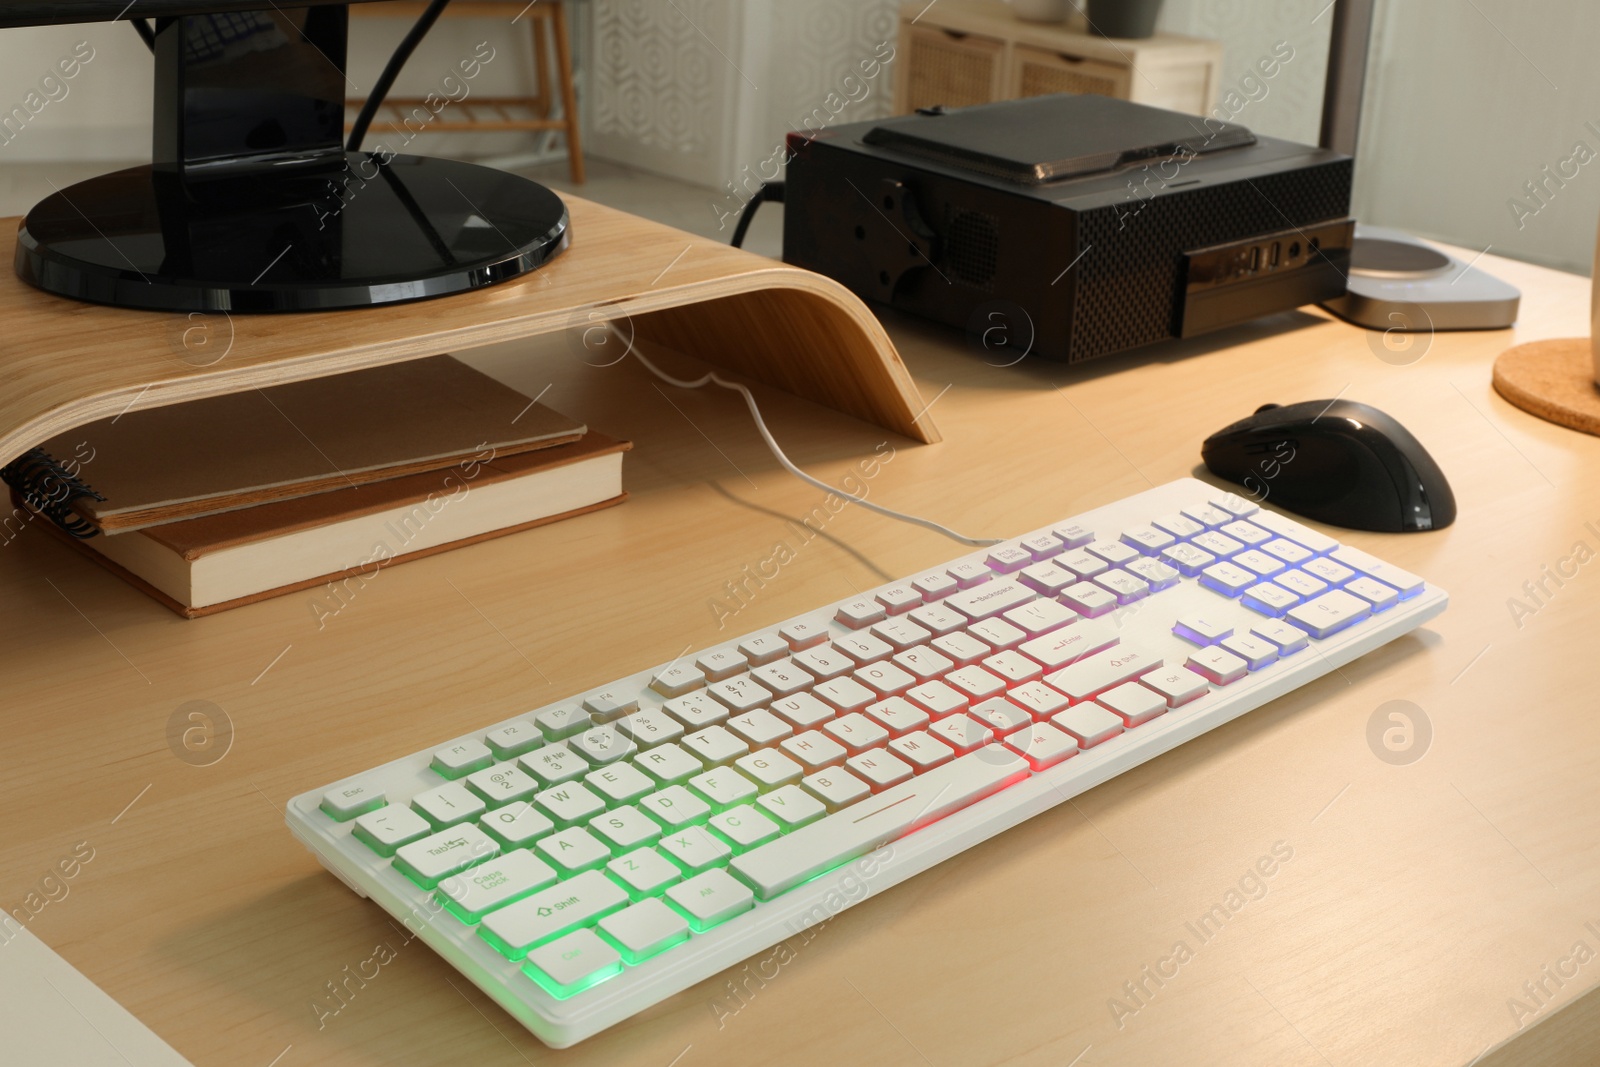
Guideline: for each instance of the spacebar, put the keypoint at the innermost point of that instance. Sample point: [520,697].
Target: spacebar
[781,865]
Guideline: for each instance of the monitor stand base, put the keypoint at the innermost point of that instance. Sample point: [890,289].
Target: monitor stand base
[379,229]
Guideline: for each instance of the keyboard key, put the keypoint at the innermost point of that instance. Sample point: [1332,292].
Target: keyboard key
[668,763]
[603,744]
[1101,671]
[1217,665]
[551,912]
[1287,551]
[792,806]
[1288,639]
[1041,617]
[570,804]
[860,613]
[677,680]
[675,807]
[1147,540]
[513,739]
[1133,703]
[645,929]
[975,682]
[553,764]
[1113,552]
[1179,526]
[1404,582]
[937,619]
[1013,667]
[856,732]
[1299,533]
[1007,558]
[695,849]
[1227,579]
[760,728]
[479,890]
[897,715]
[969,574]
[1380,596]
[785,677]
[997,633]
[1329,613]
[696,710]
[434,858]
[802,711]
[1255,652]
[1082,564]
[579,961]
[863,648]
[724,787]
[1301,584]
[1188,559]
[1201,629]
[448,804]
[502,784]
[516,825]
[608,705]
[901,633]
[1124,586]
[1043,546]
[961,732]
[898,599]
[1089,723]
[935,585]
[1177,685]
[885,679]
[1088,599]
[814,749]
[625,829]
[562,722]
[1218,544]
[387,829]
[1234,505]
[1072,535]
[1046,578]
[802,854]
[744,826]
[1269,599]
[726,662]
[650,727]
[1156,574]
[711,898]
[573,850]
[345,802]
[460,760]
[990,599]
[1001,715]
[804,633]
[763,648]
[835,787]
[1259,562]
[1207,516]
[1038,699]
[924,662]
[936,698]
[961,648]
[1062,647]
[644,871]
[739,693]
[714,745]
[1042,745]
[770,768]
[1247,532]
[878,768]
[1327,570]
[844,694]
[922,750]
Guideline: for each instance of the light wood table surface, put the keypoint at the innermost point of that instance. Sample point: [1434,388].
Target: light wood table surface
[1418,900]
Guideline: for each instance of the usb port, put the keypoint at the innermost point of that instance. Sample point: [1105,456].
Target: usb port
[1255,259]
[1272,255]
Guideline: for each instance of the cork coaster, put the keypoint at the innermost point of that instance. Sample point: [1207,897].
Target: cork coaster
[1553,380]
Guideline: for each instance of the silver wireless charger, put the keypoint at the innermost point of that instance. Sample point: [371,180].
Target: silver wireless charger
[1397,282]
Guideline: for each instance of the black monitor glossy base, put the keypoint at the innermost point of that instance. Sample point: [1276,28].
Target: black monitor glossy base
[380,230]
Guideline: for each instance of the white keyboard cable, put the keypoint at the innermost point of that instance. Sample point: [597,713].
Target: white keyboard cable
[711,378]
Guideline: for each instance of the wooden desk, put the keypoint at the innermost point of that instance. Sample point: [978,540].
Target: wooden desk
[1419,898]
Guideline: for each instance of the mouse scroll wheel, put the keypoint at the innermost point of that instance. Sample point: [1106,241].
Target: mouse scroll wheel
[1267,407]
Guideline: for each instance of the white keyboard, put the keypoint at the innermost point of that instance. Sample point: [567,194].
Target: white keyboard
[581,861]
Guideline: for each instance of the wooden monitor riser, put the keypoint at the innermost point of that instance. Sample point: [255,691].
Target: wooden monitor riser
[67,363]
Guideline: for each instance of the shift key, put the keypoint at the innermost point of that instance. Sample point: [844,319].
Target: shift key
[1103,670]
[549,913]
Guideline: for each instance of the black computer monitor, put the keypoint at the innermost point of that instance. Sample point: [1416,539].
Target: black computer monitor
[250,201]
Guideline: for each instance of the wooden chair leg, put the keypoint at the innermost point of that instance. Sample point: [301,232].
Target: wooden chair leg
[569,96]
[541,64]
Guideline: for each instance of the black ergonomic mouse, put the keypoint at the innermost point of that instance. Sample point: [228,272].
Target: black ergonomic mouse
[1335,461]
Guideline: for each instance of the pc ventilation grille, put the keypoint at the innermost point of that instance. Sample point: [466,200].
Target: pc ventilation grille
[972,248]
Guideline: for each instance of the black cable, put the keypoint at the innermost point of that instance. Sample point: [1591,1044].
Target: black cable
[425,23]
[770,191]
[146,34]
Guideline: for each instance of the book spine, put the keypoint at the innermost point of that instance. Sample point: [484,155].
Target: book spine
[50,489]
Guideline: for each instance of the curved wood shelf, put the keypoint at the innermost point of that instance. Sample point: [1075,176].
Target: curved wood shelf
[65,363]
